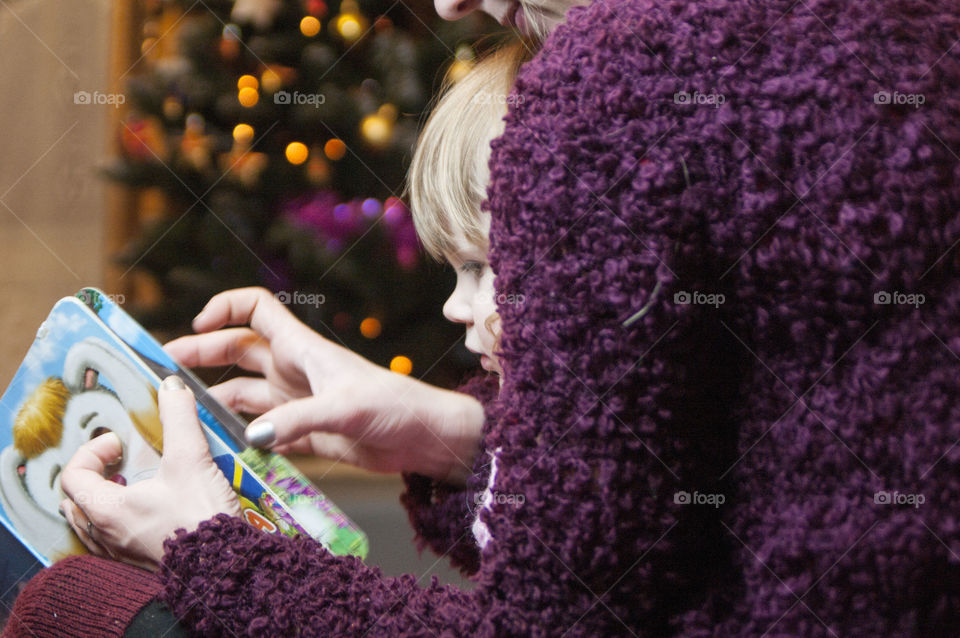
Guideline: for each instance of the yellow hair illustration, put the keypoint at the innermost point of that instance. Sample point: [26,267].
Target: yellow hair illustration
[39,423]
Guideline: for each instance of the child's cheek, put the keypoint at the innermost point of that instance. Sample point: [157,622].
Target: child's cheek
[483,308]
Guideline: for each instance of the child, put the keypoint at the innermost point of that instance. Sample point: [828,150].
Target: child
[447,184]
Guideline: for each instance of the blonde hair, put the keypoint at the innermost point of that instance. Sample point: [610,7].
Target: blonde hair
[544,15]
[39,423]
[448,176]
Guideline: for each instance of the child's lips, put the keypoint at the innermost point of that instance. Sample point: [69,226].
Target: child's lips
[118,479]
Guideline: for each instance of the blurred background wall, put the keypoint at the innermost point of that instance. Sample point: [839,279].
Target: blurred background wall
[62,223]
[52,204]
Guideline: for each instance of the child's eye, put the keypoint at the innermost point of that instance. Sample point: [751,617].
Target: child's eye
[472,267]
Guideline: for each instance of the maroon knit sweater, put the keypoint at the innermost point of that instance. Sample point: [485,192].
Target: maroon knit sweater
[81,596]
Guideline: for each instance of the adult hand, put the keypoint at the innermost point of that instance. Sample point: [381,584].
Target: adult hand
[130,523]
[316,397]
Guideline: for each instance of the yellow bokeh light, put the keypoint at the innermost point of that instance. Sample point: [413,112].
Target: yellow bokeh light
[376,129]
[247,82]
[248,96]
[388,111]
[309,26]
[335,149]
[297,153]
[401,364]
[348,26]
[243,133]
[271,81]
[459,69]
[370,328]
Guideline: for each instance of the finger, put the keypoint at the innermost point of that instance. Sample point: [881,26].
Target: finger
[255,307]
[240,346]
[79,523]
[337,448]
[82,479]
[300,446]
[183,438]
[295,419]
[244,394]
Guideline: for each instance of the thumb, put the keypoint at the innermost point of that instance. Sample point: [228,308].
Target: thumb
[294,420]
[83,474]
[183,438]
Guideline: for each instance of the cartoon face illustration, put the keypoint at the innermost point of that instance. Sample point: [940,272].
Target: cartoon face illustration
[100,391]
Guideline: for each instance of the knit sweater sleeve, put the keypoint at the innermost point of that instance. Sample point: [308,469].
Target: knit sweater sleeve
[441,513]
[608,415]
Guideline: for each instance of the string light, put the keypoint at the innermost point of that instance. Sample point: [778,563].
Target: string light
[247,82]
[243,134]
[401,364]
[231,32]
[271,81]
[317,8]
[376,129]
[335,149]
[297,153]
[350,24]
[463,62]
[230,42]
[371,328]
[248,96]
[309,26]
[318,171]
[172,108]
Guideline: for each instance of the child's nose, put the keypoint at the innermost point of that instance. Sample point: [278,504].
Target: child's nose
[456,310]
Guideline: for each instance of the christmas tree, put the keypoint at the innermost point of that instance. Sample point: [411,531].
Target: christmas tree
[274,139]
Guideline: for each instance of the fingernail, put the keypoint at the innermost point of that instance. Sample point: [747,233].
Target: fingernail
[119,445]
[260,434]
[173,382]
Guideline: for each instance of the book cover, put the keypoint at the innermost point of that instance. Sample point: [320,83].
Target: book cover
[93,369]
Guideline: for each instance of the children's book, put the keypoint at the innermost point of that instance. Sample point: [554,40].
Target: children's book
[93,369]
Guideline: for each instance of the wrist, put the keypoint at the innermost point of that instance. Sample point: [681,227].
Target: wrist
[462,420]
